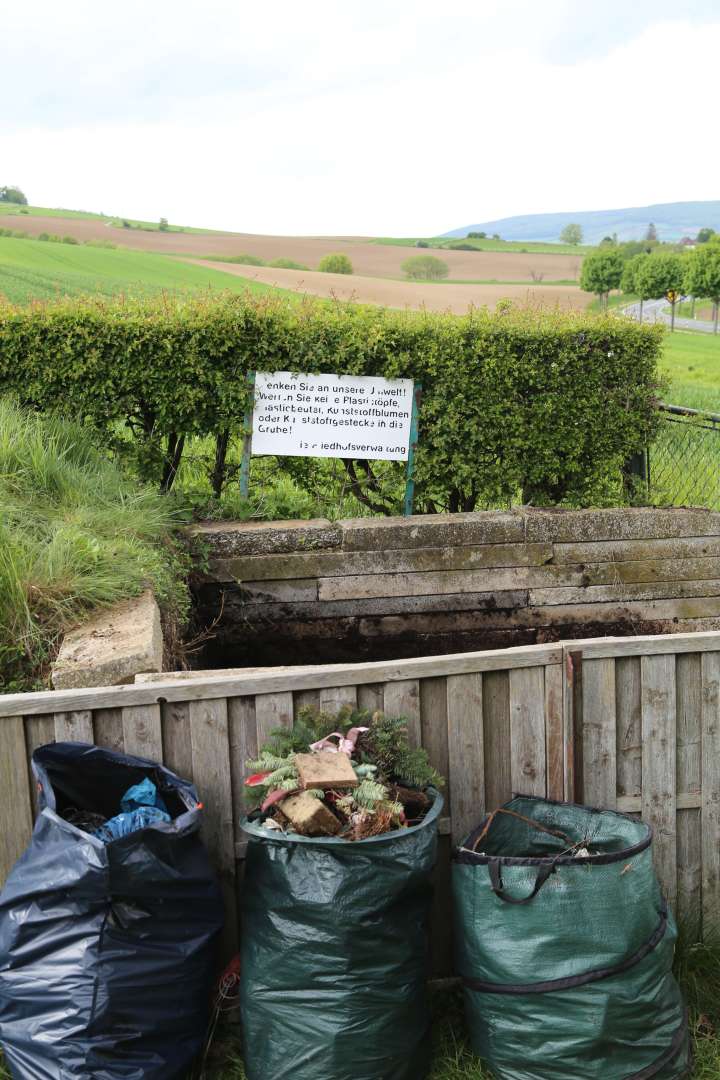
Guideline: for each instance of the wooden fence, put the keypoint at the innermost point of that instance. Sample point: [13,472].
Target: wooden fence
[632,723]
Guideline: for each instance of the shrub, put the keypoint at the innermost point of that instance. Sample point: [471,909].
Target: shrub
[287,264]
[44,236]
[245,260]
[422,244]
[69,240]
[425,268]
[461,245]
[164,224]
[335,264]
[546,405]
[476,235]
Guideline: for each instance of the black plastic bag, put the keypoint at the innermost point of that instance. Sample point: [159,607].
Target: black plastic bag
[107,950]
[335,954]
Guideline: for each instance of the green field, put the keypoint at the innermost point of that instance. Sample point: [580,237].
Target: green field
[692,361]
[111,220]
[38,270]
[445,243]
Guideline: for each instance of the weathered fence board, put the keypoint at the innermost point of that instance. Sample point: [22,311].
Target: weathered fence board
[646,712]
[659,787]
[466,752]
[711,791]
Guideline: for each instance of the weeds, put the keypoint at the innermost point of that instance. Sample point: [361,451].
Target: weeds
[75,534]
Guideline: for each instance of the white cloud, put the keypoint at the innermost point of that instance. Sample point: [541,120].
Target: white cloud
[401,117]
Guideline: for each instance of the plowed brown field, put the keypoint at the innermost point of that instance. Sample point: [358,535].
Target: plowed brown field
[412,294]
[371,260]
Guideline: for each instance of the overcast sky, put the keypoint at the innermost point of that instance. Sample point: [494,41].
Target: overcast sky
[397,117]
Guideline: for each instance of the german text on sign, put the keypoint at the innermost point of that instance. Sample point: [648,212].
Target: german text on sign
[353,416]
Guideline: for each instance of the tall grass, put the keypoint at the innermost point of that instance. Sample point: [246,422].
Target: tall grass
[75,534]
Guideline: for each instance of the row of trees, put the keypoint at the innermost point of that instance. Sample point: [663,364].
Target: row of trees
[656,276]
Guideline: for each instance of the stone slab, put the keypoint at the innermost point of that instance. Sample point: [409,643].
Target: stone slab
[113,647]
[226,538]
[624,523]
[247,568]
[432,530]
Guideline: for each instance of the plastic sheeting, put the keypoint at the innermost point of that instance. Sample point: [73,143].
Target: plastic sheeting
[565,946]
[107,951]
[335,954]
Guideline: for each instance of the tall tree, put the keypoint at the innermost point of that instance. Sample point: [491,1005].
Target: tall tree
[702,276]
[651,235]
[662,276]
[630,283]
[704,235]
[572,234]
[600,273]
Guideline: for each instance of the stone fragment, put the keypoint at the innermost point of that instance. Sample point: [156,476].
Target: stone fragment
[325,769]
[309,816]
[112,647]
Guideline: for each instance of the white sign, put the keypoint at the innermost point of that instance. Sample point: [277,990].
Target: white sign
[340,416]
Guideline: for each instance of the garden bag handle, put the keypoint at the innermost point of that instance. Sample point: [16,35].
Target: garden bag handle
[543,874]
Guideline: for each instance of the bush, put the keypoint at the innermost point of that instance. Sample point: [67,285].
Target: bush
[287,264]
[425,268]
[335,264]
[245,260]
[69,240]
[422,244]
[546,406]
[461,245]
[44,236]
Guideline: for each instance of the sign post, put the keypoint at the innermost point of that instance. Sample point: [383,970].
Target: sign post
[247,439]
[410,468]
[331,416]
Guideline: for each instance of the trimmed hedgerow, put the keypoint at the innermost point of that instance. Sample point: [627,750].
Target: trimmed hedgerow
[545,405]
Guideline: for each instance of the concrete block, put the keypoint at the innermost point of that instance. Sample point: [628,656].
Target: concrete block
[113,647]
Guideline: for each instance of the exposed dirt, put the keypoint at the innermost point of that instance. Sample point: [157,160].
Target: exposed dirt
[411,294]
[373,260]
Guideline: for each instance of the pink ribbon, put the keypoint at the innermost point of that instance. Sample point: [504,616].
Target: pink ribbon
[345,745]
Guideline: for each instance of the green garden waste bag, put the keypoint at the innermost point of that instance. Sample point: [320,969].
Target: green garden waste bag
[334,955]
[565,947]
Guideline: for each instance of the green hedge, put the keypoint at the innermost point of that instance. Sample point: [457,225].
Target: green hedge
[545,405]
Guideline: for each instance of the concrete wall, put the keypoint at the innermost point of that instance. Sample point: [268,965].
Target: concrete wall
[375,588]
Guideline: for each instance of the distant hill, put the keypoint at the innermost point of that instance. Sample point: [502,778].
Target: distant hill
[672,221]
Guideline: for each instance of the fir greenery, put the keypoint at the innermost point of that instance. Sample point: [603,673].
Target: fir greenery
[383,757]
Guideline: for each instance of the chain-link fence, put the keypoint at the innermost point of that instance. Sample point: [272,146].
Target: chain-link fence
[683,464]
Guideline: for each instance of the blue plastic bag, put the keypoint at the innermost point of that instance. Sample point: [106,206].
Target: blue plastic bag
[141,806]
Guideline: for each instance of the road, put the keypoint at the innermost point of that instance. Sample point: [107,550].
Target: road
[659,311]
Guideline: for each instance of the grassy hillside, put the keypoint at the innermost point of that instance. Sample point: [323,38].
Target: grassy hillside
[672,220]
[112,220]
[36,269]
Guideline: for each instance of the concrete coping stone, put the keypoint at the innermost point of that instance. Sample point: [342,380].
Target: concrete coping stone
[112,647]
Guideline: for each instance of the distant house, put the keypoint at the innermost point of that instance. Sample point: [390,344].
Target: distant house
[688,242]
